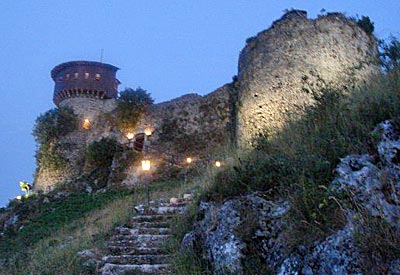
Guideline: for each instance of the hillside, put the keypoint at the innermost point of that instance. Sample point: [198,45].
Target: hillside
[307,180]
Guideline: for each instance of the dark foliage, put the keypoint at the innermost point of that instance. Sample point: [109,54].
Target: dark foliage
[366,24]
[131,104]
[54,124]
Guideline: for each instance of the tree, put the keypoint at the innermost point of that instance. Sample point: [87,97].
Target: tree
[131,104]
[390,54]
[366,24]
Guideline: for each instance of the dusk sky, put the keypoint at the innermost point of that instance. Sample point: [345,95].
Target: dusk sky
[167,47]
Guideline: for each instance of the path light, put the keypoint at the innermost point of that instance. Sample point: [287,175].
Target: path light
[86,124]
[188,160]
[19,197]
[218,163]
[146,164]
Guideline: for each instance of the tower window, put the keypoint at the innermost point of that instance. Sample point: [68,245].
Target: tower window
[98,76]
[67,77]
[86,75]
[76,75]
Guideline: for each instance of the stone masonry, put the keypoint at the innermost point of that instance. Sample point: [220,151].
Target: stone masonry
[281,67]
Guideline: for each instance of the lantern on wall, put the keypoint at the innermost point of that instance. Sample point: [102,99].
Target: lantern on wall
[86,124]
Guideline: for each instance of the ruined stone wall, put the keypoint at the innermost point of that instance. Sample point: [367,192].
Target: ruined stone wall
[188,125]
[89,108]
[191,125]
[281,67]
[73,146]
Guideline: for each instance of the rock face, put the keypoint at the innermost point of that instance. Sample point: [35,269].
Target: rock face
[221,236]
[280,67]
[229,230]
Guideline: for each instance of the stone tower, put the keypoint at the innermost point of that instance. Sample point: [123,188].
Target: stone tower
[85,86]
[281,67]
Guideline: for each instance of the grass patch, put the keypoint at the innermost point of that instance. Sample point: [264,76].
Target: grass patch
[378,243]
[54,232]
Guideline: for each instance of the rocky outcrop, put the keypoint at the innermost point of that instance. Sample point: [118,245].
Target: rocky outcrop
[281,67]
[371,183]
[223,235]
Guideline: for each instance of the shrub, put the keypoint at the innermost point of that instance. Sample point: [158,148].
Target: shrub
[48,129]
[53,124]
[390,54]
[366,24]
[130,105]
[101,153]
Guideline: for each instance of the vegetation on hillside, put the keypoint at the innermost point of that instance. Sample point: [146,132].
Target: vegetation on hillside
[49,234]
[49,128]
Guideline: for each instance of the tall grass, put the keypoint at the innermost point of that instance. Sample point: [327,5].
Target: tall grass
[298,162]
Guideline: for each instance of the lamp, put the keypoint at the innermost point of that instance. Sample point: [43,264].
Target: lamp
[218,163]
[148,131]
[189,160]
[86,124]
[146,165]
[130,135]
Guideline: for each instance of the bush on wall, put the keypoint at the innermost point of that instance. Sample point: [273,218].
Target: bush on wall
[49,128]
[130,105]
[101,153]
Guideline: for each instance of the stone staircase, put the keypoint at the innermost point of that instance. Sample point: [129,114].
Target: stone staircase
[139,247]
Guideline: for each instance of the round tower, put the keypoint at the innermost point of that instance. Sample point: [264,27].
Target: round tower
[84,79]
[85,86]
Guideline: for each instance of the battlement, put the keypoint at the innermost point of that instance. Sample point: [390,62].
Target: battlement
[84,79]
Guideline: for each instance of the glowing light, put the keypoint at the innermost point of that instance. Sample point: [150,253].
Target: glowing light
[189,160]
[86,124]
[146,165]
[217,163]
[19,197]
[130,135]
[148,131]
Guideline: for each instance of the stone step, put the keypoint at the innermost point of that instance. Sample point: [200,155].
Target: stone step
[149,224]
[142,241]
[137,259]
[114,269]
[143,230]
[151,218]
[162,210]
[142,238]
[119,250]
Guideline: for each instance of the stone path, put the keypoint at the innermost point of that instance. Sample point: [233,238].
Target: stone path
[139,248]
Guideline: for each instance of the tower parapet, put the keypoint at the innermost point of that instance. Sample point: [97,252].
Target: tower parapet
[87,79]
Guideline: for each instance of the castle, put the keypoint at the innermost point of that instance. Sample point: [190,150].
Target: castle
[278,71]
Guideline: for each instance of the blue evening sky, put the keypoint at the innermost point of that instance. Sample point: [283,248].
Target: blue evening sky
[168,47]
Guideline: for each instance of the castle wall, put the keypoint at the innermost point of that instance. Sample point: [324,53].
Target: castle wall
[89,108]
[191,125]
[281,67]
